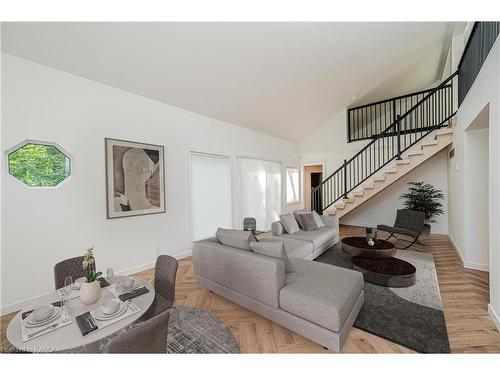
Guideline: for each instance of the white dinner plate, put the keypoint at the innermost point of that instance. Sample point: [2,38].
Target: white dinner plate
[30,323]
[99,314]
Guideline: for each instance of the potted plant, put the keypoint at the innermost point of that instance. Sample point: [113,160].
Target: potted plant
[424,197]
[90,292]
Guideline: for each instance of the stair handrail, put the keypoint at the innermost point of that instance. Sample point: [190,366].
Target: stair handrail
[384,133]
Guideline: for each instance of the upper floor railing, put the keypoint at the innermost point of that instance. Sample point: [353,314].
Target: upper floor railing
[478,46]
[431,112]
[370,120]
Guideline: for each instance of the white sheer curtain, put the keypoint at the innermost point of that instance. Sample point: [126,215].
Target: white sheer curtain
[260,191]
[210,194]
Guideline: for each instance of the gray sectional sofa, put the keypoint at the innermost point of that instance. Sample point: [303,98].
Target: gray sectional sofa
[317,300]
[320,240]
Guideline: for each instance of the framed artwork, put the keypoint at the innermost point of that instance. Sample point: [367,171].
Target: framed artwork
[135,178]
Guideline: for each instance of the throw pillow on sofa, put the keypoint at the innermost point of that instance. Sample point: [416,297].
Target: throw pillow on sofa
[275,250]
[289,223]
[308,222]
[297,214]
[318,220]
[235,238]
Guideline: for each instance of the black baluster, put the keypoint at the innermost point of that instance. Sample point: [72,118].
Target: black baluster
[345,179]
[398,130]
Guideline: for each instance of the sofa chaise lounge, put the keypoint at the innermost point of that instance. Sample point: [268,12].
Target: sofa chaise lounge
[318,301]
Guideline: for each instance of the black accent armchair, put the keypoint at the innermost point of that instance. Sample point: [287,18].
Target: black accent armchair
[408,223]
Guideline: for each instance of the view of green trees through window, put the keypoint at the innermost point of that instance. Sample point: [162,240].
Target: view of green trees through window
[39,165]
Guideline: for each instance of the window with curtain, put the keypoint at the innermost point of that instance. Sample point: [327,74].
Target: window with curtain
[292,185]
[210,194]
[260,191]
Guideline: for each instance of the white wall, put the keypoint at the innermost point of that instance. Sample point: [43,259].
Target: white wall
[476,198]
[328,145]
[43,226]
[484,91]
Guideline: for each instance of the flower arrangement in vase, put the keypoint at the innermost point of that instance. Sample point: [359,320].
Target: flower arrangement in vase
[90,292]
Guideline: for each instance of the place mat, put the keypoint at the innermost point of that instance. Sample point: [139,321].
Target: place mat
[25,331]
[131,310]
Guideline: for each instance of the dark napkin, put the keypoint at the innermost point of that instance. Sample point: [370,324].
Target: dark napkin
[135,293]
[25,314]
[103,282]
[86,323]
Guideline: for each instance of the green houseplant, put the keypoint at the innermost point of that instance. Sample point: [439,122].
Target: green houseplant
[90,291]
[426,198]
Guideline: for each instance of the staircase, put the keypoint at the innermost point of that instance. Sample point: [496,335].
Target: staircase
[412,138]
[419,154]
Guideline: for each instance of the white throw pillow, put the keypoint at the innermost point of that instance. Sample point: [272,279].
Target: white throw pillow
[289,223]
[318,220]
[275,250]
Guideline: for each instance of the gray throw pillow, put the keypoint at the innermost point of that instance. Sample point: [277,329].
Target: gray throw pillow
[235,238]
[308,222]
[289,223]
[297,214]
[318,220]
[275,250]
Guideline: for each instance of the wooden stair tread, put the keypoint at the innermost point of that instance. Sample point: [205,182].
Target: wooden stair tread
[402,161]
[429,143]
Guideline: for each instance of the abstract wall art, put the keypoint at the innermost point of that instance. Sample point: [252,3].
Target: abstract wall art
[135,178]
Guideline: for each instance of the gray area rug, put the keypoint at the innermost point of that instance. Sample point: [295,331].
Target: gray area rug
[411,316]
[200,332]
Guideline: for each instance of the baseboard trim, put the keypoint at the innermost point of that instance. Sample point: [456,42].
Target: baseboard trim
[494,317]
[469,265]
[477,266]
[30,302]
[457,250]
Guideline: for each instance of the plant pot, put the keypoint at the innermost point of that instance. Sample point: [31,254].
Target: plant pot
[424,236]
[90,293]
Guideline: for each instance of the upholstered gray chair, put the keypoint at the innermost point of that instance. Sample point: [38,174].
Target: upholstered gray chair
[249,223]
[165,273]
[146,337]
[69,267]
[408,223]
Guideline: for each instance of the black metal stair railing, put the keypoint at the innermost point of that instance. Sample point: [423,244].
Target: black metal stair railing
[369,120]
[431,112]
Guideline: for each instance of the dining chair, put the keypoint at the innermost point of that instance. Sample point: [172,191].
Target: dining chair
[146,337]
[165,273]
[69,267]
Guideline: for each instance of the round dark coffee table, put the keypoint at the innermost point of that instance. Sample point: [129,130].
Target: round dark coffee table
[357,246]
[392,272]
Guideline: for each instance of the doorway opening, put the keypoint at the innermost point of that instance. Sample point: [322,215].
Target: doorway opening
[476,181]
[313,176]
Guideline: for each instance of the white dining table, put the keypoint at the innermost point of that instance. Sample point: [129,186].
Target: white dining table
[69,337]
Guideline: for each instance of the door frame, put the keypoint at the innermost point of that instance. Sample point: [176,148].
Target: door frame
[303,166]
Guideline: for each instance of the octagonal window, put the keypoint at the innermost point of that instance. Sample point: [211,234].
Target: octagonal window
[39,164]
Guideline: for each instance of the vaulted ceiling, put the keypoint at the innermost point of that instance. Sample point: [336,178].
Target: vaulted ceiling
[283,79]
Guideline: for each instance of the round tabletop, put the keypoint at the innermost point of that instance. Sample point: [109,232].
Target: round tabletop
[70,337]
[358,246]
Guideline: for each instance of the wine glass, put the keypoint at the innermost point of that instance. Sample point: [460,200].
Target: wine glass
[68,281]
[110,274]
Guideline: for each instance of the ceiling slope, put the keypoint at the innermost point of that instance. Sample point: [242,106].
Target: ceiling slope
[282,79]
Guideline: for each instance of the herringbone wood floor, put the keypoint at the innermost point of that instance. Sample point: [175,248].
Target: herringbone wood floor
[464,294]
